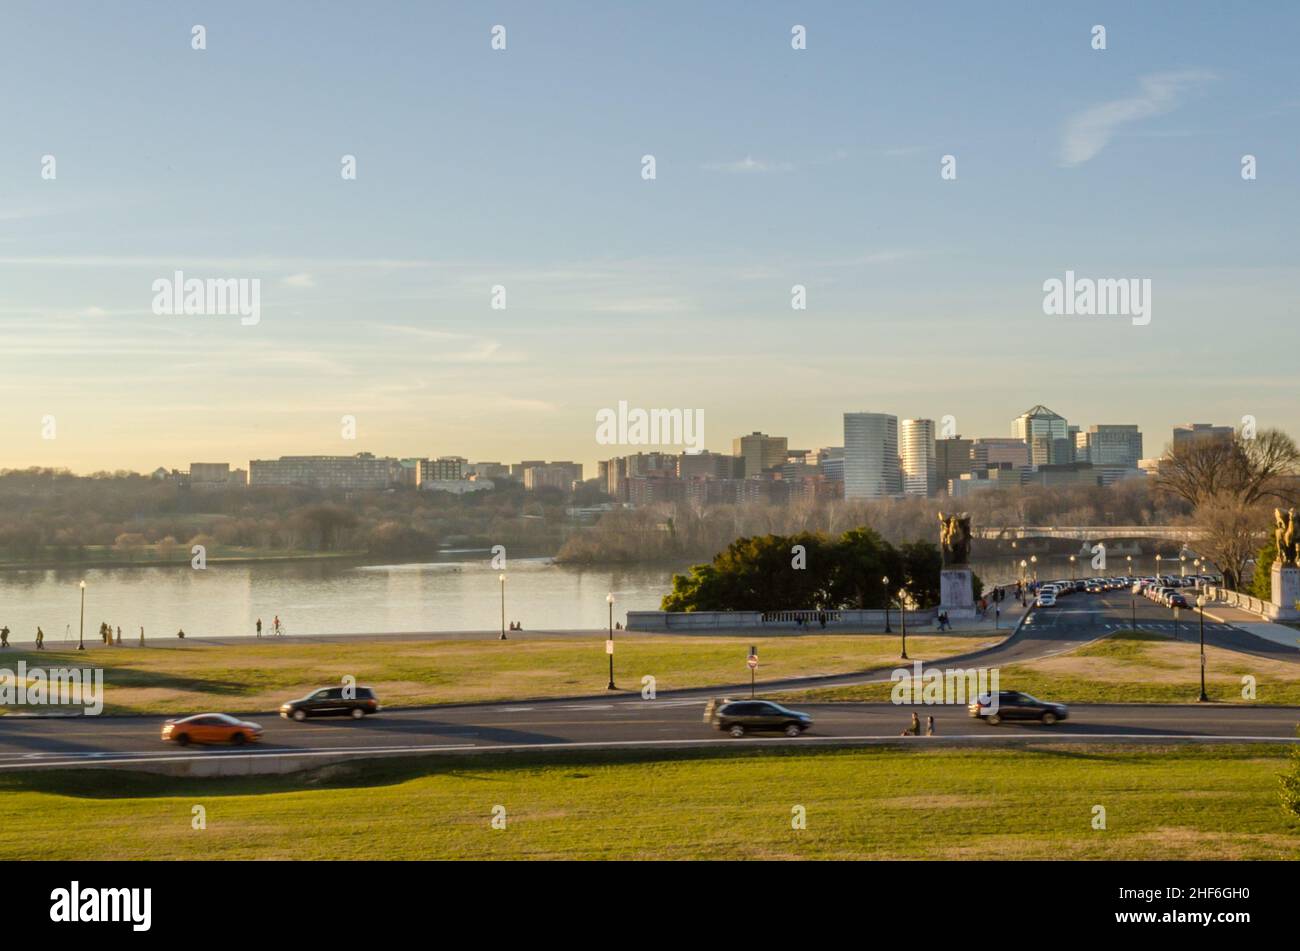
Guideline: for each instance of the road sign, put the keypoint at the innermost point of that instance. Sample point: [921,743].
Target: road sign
[609,646]
[753,661]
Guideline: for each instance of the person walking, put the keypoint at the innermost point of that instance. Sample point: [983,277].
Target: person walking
[119,635]
[277,625]
[929,726]
[914,728]
[259,627]
[40,639]
[181,633]
[4,636]
[142,635]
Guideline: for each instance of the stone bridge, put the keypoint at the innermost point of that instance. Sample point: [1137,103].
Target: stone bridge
[1091,533]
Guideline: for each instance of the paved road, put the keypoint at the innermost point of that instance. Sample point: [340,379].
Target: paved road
[623,721]
[675,719]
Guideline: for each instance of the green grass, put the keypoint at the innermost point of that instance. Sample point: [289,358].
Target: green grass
[259,675]
[1127,667]
[878,803]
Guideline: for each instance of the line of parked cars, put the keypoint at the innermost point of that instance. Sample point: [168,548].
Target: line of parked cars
[355,702]
[1169,590]
[1164,589]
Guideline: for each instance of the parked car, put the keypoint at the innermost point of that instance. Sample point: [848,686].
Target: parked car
[211,728]
[1012,705]
[739,717]
[355,702]
[1177,600]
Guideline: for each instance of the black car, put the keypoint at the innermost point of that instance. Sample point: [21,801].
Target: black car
[355,702]
[739,717]
[1012,705]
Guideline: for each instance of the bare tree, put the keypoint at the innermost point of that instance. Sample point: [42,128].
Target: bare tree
[1232,531]
[1249,470]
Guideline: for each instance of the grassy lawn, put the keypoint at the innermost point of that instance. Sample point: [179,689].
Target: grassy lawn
[1128,667]
[259,675]
[879,803]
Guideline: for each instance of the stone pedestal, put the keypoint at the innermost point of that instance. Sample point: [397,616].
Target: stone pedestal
[956,592]
[1285,593]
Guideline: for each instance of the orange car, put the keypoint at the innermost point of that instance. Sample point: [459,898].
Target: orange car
[211,728]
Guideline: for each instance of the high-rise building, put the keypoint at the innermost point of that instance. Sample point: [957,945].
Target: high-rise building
[952,459]
[917,455]
[1047,434]
[871,456]
[1191,431]
[760,452]
[1111,445]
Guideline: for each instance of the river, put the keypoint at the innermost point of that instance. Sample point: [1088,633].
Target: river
[459,592]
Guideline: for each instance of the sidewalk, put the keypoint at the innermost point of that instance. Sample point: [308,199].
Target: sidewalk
[1253,624]
[1011,615]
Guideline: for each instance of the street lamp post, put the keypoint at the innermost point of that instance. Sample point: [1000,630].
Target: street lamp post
[609,647]
[1073,573]
[81,635]
[1033,559]
[1182,566]
[885,582]
[502,579]
[1200,604]
[1158,560]
[1132,598]
[1024,581]
[902,619]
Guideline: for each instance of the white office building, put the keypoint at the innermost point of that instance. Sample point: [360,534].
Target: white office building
[871,456]
[920,468]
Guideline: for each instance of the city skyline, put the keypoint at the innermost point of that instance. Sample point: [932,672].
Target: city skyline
[773,170]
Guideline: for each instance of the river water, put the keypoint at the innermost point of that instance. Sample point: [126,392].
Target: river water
[461,592]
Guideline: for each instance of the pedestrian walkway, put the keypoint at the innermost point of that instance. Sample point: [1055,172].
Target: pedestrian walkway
[1254,624]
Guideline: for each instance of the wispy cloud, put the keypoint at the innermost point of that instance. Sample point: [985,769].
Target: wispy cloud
[1090,131]
[299,280]
[749,164]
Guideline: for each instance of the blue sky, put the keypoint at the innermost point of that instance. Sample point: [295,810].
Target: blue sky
[522,168]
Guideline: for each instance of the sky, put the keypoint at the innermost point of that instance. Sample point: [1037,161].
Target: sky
[523,168]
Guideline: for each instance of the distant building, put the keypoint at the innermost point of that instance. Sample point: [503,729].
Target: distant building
[457,486]
[871,468]
[209,474]
[1189,432]
[760,452]
[553,475]
[982,479]
[1111,445]
[362,471]
[996,450]
[518,469]
[1047,434]
[917,455]
[952,460]
[830,462]
[487,470]
[709,465]
[442,469]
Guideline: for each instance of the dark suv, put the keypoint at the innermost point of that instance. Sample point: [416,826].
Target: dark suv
[355,702]
[1017,706]
[739,717]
